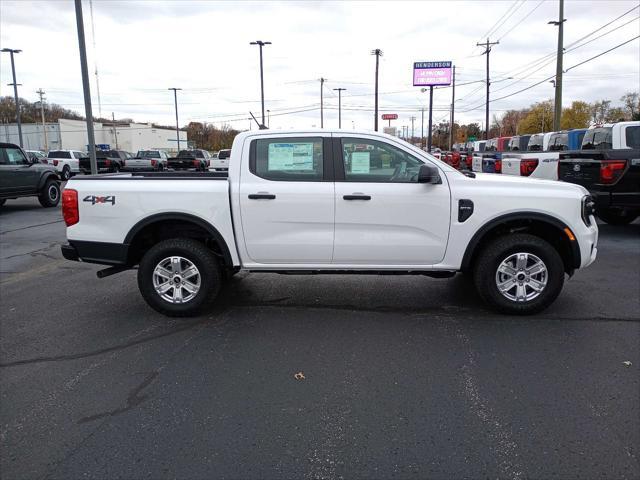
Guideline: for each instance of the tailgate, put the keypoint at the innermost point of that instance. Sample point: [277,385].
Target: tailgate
[582,169]
[181,163]
[511,165]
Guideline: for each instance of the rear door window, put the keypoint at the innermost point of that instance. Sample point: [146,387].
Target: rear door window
[288,159]
[632,136]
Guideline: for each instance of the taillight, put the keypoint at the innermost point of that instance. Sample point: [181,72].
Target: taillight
[107,163]
[611,170]
[55,163]
[154,163]
[498,165]
[196,163]
[70,211]
[527,166]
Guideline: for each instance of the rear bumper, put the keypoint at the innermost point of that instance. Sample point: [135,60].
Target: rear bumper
[605,200]
[96,252]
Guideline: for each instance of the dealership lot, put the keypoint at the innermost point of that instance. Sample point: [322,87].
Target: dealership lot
[401,376]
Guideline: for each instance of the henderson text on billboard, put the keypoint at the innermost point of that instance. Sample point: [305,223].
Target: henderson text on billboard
[426,74]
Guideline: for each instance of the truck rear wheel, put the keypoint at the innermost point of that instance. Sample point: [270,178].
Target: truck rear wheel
[617,217]
[519,274]
[179,277]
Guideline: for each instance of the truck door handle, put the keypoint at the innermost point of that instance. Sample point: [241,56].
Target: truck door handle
[261,196]
[357,197]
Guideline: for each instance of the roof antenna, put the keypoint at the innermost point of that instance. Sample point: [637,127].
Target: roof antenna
[260,126]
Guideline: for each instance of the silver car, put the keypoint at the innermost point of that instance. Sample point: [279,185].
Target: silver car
[148,160]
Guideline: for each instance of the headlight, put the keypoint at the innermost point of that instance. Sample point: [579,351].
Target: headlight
[588,209]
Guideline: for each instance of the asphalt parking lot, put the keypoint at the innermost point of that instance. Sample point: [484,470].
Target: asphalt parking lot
[401,377]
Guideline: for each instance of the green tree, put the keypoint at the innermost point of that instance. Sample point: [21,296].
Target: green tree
[538,119]
[577,115]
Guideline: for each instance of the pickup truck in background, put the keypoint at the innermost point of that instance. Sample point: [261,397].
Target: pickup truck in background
[519,143]
[65,162]
[323,201]
[490,161]
[109,161]
[220,162]
[150,160]
[608,165]
[197,160]
[542,164]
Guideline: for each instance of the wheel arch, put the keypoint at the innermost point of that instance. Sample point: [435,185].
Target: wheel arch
[44,178]
[163,226]
[542,225]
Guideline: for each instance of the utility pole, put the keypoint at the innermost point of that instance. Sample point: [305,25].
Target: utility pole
[413,119]
[487,49]
[175,101]
[86,88]
[558,84]
[44,126]
[261,44]
[15,90]
[322,80]
[453,100]
[115,132]
[378,53]
[340,90]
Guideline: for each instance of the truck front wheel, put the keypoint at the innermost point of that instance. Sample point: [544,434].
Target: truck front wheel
[179,277]
[519,274]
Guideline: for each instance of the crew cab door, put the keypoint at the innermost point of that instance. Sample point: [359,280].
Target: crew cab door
[16,173]
[383,216]
[287,200]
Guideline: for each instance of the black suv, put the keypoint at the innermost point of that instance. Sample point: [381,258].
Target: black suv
[107,161]
[22,177]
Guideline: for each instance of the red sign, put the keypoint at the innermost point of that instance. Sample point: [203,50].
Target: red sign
[389,116]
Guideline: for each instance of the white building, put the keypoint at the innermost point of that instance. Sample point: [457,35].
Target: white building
[72,135]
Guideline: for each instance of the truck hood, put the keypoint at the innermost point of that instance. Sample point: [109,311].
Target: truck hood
[527,183]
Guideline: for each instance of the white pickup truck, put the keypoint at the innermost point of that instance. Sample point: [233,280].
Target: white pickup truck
[330,202]
[66,162]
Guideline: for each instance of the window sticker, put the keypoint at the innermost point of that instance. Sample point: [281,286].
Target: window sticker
[360,162]
[290,156]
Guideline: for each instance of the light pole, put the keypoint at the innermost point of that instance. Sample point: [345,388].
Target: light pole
[175,100]
[378,53]
[11,51]
[261,44]
[339,90]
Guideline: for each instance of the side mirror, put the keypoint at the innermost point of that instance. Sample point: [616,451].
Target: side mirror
[429,174]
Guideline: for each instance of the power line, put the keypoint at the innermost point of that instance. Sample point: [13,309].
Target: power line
[522,20]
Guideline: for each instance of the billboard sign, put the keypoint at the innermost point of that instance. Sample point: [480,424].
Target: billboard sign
[428,74]
[389,116]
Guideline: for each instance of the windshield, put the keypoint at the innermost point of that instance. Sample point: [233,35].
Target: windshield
[148,154]
[59,154]
[597,139]
[224,154]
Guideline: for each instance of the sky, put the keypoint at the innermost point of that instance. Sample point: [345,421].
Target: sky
[140,48]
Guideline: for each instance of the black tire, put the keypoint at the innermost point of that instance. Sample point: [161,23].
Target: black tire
[499,250]
[66,173]
[50,194]
[194,252]
[115,168]
[617,217]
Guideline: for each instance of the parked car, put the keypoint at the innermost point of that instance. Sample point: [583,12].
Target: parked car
[65,162]
[21,176]
[148,160]
[37,156]
[608,165]
[535,163]
[196,159]
[109,161]
[316,202]
[220,162]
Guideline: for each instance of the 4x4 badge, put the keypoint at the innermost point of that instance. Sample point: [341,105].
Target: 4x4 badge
[92,199]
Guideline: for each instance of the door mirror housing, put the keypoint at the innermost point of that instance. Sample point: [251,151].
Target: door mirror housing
[429,174]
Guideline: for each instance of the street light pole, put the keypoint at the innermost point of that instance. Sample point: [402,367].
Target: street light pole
[340,90]
[378,53]
[261,44]
[15,90]
[86,87]
[175,101]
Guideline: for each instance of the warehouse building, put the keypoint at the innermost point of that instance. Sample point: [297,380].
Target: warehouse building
[72,135]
